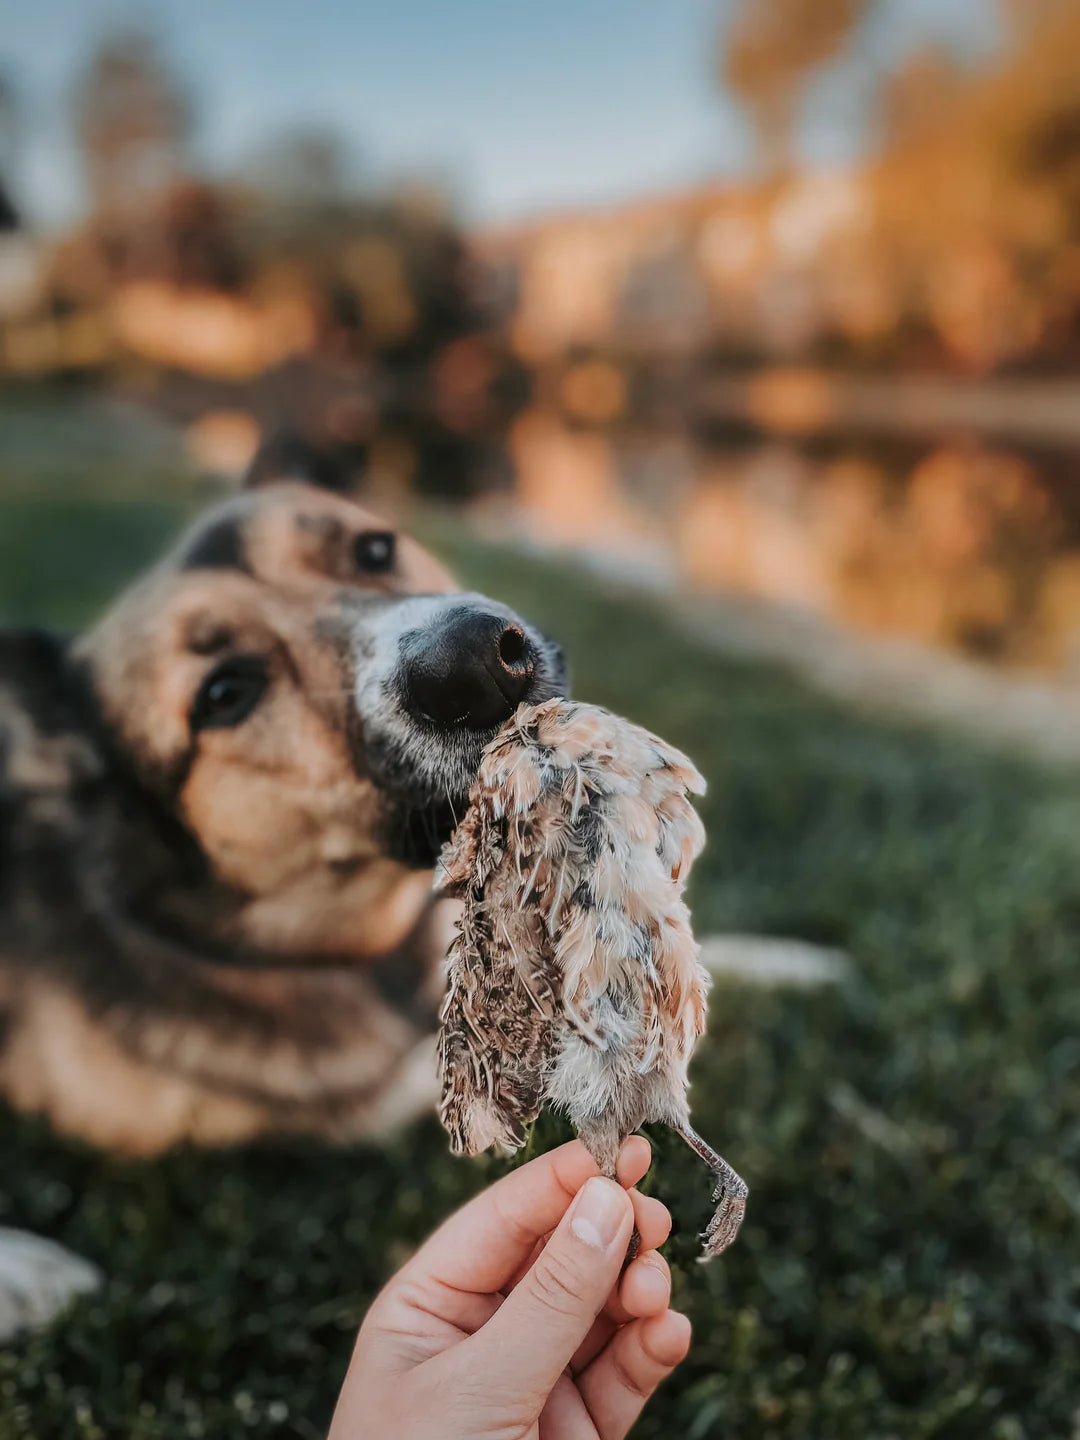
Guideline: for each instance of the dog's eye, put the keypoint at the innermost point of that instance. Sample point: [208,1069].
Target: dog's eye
[374,551]
[230,693]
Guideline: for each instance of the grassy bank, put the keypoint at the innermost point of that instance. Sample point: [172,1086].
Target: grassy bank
[89,493]
[910,1264]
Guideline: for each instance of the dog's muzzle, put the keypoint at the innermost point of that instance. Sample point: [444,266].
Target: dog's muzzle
[470,668]
[436,677]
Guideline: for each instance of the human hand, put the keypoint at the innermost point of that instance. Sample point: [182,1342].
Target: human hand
[513,1319]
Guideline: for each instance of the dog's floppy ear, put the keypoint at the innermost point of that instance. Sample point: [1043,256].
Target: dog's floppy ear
[34,675]
[288,455]
[44,741]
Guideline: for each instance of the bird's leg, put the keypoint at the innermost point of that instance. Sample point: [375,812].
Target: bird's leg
[730,1194]
[633,1249]
[603,1141]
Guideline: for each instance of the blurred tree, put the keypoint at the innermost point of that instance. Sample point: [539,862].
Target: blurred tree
[134,122]
[9,216]
[919,95]
[767,55]
[306,167]
[1024,16]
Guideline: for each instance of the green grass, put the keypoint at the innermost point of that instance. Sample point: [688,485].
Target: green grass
[88,496]
[910,1263]
[60,557]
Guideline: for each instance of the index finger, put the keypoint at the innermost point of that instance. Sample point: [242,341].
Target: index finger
[485,1243]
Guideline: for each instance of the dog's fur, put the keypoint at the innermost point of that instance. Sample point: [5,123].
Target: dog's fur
[210,934]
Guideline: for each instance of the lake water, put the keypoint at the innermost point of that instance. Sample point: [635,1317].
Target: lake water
[963,545]
[966,545]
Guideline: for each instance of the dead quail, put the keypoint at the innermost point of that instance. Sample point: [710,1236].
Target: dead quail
[573,978]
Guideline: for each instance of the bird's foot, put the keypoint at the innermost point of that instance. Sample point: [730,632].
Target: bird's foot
[730,1195]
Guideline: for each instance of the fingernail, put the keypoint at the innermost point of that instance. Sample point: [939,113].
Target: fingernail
[598,1213]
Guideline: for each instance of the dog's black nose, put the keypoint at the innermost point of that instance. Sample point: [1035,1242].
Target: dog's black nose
[472,669]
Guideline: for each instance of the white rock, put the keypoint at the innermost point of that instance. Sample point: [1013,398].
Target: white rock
[768,960]
[38,1280]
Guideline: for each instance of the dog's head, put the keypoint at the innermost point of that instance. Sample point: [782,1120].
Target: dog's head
[297,697]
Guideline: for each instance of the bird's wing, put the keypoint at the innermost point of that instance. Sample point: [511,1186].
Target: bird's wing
[496,1026]
[456,865]
[495,1040]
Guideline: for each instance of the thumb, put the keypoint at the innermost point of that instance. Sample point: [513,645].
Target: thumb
[530,1340]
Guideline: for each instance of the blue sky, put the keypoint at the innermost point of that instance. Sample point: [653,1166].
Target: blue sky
[519,105]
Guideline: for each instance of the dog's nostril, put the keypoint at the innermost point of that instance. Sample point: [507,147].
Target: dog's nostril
[470,668]
[512,647]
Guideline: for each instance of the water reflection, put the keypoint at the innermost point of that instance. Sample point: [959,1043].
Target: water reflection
[956,544]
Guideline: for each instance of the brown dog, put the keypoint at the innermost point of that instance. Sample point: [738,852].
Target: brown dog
[217,813]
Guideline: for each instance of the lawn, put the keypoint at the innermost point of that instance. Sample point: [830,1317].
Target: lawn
[88,495]
[910,1262]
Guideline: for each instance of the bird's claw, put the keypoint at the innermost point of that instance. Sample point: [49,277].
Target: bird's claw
[731,1194]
